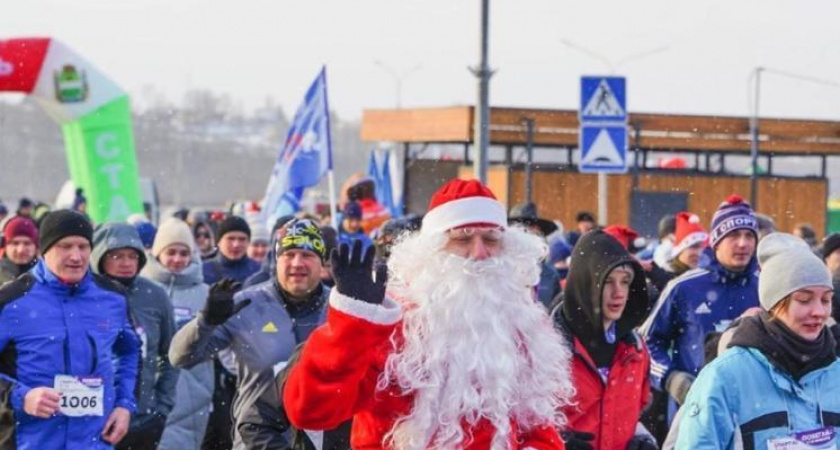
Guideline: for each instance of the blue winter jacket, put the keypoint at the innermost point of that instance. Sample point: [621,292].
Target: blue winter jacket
[219,268]
[48,328]
[741,400]
[696,303]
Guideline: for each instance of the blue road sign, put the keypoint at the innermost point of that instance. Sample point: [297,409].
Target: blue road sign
[603,148]
[603,99]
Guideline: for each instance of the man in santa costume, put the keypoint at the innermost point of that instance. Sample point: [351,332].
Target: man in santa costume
[458,354]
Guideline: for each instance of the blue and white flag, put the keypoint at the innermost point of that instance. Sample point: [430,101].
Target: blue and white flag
[305,157]
[380,171]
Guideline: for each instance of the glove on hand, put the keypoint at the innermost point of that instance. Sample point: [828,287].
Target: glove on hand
[642,442]
[219,307]
[678,384]
[353,273]
[577,440]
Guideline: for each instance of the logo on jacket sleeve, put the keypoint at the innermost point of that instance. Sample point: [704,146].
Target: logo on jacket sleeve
[270,327]
[703,309]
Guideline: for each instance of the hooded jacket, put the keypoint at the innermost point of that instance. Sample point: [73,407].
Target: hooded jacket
[610,379]
[698,302]
[50,328]
[212,253]
[742,400]
[9,270]
[268,266]
[153,315]
[187,422]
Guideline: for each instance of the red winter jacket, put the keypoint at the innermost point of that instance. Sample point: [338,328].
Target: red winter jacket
[335,379]
[610,409]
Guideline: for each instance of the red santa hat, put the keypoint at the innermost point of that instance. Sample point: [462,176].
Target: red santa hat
[460,203]
[624,235]
[689,232]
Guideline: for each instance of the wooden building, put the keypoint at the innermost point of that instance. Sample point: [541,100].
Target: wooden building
[638,198]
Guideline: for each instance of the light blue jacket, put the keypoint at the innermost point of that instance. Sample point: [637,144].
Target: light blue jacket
[741,397]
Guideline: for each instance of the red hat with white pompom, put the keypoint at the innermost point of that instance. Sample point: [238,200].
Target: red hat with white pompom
[689,232]
[460,203]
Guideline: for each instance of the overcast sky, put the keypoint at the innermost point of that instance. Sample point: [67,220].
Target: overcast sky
[253,49]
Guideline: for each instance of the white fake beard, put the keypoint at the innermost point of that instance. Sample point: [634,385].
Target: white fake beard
[476,344]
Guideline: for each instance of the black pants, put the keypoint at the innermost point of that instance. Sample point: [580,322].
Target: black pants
[655,419]
[219,434]
[144,432]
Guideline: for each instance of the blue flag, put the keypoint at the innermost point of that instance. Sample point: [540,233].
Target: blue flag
[306,154]
[387,186]
[381,175]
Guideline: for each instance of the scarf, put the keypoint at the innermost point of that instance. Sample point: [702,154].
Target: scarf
[784,348]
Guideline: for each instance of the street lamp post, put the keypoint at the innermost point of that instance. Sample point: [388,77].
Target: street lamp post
[481,127]
[399,78]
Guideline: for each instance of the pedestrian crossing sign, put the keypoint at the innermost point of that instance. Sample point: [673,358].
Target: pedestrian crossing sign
[603,148]
[603,99]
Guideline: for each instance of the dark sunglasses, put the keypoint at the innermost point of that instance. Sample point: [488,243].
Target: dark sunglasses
[203,235]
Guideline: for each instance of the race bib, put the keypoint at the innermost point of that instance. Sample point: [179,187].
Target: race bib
[819,439]
[80,396]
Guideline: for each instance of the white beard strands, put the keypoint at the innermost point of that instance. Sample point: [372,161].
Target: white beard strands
[476,344]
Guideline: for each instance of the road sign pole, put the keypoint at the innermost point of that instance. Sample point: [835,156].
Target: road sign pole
[603,133]
[754,142]
[481,127]
[529,164]
[603,219]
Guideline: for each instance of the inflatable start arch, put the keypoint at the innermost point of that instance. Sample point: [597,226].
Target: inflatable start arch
[95,116]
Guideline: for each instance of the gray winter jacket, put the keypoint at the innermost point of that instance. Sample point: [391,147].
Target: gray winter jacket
[187,423]
[152,312]
[262,336]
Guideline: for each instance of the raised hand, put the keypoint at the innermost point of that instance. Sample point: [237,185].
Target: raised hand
[219,307]
[353,273]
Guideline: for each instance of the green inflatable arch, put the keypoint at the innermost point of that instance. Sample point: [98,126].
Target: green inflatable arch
[95,116]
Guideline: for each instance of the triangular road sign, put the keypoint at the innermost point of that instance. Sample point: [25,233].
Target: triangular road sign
[603,148]
[603,151]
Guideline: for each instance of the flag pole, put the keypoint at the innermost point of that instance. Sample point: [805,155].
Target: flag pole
[330,171]
[333,218]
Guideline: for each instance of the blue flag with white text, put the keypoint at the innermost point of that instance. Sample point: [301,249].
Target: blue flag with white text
[306,154]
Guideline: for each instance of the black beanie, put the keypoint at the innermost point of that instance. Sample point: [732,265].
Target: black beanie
[830,243]
[232,223]
[62,223]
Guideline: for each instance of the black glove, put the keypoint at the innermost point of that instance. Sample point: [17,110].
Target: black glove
[678,383]
[219,306]
[642,442]
[353,273]
[577,440]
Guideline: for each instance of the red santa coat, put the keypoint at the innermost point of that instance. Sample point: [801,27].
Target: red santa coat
[610,408]
[335,379]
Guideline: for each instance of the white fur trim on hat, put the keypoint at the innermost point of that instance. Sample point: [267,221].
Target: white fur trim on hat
[388,313]
[694,238]
[465,211]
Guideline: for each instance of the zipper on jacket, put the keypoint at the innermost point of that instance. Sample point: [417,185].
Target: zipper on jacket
[66,338]
[94,353]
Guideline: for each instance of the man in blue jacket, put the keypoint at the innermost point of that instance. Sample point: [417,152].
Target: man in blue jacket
[69,356]
[704,300]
